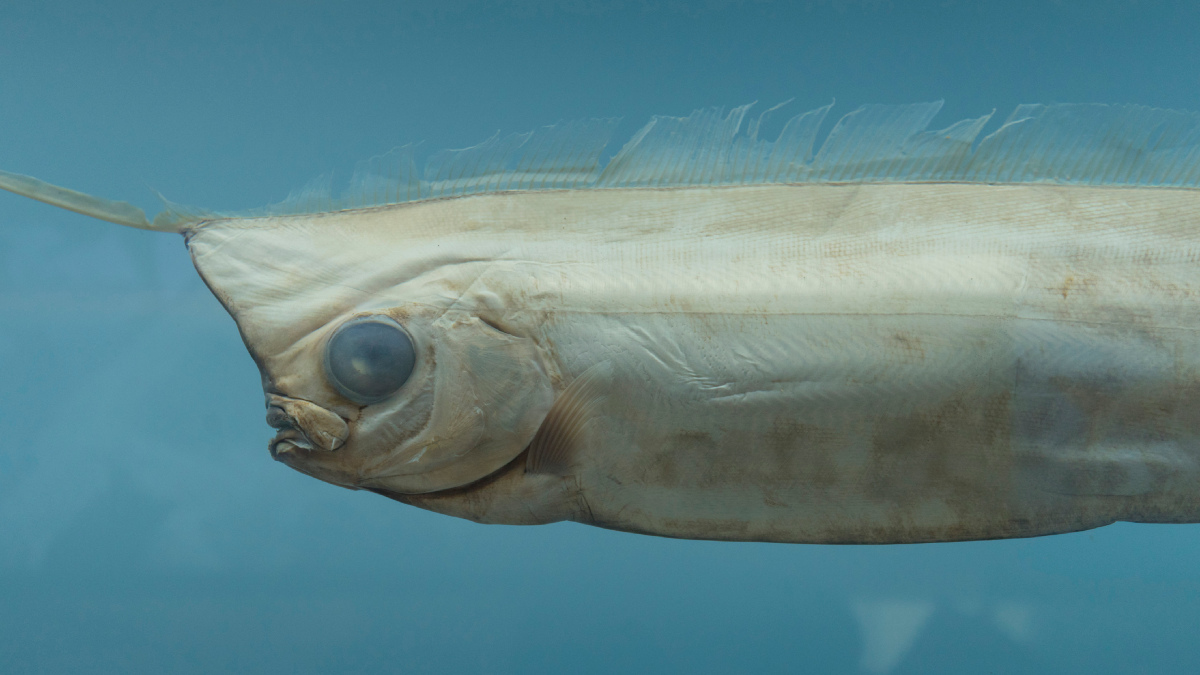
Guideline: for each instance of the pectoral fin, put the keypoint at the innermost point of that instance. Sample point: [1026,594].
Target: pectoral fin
[553,449]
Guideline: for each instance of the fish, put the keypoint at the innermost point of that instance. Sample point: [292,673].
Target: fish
[885,333]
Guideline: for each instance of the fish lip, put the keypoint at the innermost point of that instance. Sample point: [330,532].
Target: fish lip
[289,441]
[303,425]
[278,419]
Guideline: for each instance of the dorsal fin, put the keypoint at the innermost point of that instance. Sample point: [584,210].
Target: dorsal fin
[1067,144]
[121,213]
[1063,144]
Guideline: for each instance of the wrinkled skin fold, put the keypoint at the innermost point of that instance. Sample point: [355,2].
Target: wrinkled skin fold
[824,363]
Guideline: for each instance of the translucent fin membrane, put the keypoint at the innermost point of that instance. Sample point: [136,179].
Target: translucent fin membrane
[1067,144]
[1074,144]
[556,157]
[121,213]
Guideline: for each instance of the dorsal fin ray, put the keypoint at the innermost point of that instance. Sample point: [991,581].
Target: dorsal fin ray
[121,213]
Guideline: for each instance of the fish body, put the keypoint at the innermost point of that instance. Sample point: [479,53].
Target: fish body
[821,363]
[904,336]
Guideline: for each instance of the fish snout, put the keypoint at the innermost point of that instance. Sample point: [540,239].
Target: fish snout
[304,425]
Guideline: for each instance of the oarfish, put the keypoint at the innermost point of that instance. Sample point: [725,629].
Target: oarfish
[895,335]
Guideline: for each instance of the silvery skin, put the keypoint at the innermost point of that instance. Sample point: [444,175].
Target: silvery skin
[842,362]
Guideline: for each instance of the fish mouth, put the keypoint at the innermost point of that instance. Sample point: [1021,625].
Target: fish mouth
[289,440]
[303,425]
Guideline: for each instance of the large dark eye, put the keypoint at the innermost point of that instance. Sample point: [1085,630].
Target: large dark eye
[369,358]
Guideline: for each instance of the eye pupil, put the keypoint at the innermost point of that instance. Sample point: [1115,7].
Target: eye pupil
[368,359]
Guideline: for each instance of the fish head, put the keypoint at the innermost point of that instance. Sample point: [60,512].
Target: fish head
[379,366]
[369,327]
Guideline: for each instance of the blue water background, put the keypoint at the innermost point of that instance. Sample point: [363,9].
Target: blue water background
[143,526]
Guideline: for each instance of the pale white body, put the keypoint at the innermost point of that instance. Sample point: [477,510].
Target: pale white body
[826,363]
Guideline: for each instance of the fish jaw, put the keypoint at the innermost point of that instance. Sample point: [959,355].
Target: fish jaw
[303,424]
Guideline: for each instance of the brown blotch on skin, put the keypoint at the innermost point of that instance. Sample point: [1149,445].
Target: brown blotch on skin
[910,345]
[947,452]
[787,455]
[1066,286]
